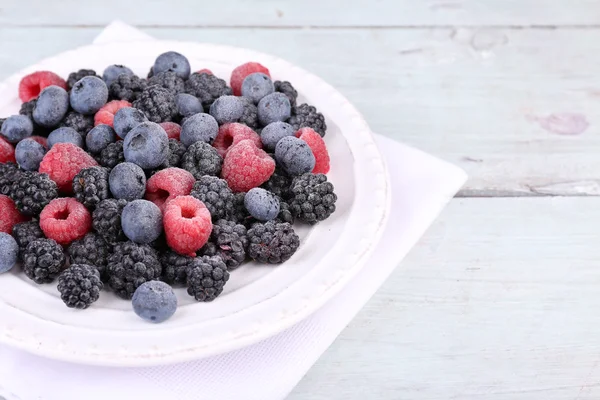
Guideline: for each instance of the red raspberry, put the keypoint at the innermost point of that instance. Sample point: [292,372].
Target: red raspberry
[106,114]
[246,166]
[7,151]
[317,145]
[231,134]
[41,140]
[10,214]
[205,71]
[173,130]
[240,73]
[32,84]
[187,225]
[63,162]
[65,220]
[167,184]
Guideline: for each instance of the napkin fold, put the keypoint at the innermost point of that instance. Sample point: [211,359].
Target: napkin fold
[421,186]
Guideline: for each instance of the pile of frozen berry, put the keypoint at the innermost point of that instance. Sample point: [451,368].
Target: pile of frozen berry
[138,184]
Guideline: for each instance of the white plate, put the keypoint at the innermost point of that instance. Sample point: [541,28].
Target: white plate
[259,301]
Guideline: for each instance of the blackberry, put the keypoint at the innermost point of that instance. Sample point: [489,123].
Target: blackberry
[174,267]
[32,192]
[130,265]
[26,232]
[91,250]
[313,198]
[279,184]
[90,186]
[1,122]
[250,115]
[229,241]
[112,155]
[202,159]
[215,194]
[43,259]
[240,214]
[285,214]
[81,123]
[76,76]
[307,116]
[9,173]
[286,88]
[157,103]
[127,87]
[272,242]
[79,286]
[206,278]
[168,80]
[176,151]
[106,220]
[206,87]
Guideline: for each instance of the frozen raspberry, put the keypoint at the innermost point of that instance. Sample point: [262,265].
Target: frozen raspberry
[187,225]
[317,145]
[65,220]
[231,134]
[240,73]
[205,71]
[40,139]
[32,84]
[63,162]
[7,151]
[10,214]
[246,166]
[173,130]
[167,184]
[106,114]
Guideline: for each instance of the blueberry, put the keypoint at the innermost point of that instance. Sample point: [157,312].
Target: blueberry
[261,204]
[88,95]
[294,156]
[65,134]
[256,86]
[9,250]
[147,145]
[199,127]
[188,105]
[227,109]
[154,301]
[29,154]
[126,119]
[141,221]
[51,107]
[112,72]
[172,61]
[127,181]
[16,128]
[99,137]
[274,107]
[274,132]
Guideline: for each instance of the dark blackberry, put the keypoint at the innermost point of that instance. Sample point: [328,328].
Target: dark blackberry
[91,250]
[206,87]
[26,232]
[75,76]
[250,115]
[112,155]
[313,198]
[90,186]
[157,103]
[9,174]
[168,80]
[286,88]
[307,116]
[285,214]
[279,184]
[32,192]
[240,213]
[150,73]
[272,242]
[229,241]
[79,286]
[127,87]
[1,122]
[202,159]
[206,278]
[81,123]
[215,194]
[43,259]
[130,265]
[174,267]
[106,220]
[176,152]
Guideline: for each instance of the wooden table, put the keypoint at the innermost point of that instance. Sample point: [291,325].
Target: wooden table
[501,298]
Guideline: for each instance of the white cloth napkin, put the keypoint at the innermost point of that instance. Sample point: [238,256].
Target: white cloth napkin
[269,370]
